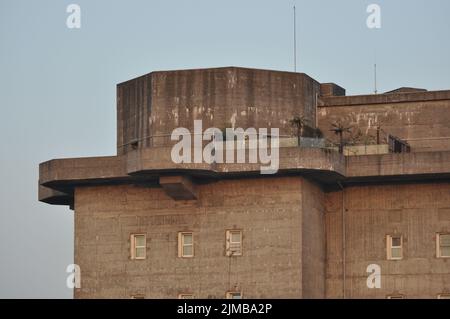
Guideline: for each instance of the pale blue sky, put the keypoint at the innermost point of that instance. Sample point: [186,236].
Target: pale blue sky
[57,85]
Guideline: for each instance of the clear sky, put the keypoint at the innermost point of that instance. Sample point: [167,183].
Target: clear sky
[57,85]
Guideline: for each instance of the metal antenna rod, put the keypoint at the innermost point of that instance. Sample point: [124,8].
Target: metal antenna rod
[375,75]
[295,43]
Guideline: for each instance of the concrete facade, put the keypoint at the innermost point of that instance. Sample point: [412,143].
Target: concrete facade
[309,231]
[151,106]
[282,251]
[415,211]
[422,118]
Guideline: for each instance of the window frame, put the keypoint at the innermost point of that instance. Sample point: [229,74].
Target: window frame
[396,296]
[229,294]
[228,236]
[439,246]
[182,244]
[134,247]
[390,247]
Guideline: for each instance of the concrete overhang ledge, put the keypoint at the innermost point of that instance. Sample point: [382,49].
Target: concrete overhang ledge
[153,166]
[149,164]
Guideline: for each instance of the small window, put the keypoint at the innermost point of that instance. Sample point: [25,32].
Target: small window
[138,246]
[139,296]
[234,243]
[185,296]
[185,245]
[234,295]
[395,297]
[394,247]
[443,296]
[443,245]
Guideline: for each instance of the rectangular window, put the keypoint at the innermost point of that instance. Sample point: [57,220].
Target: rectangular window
[234,243]
[444,296]
[185,296]
[234,295]
[395,297]
[138,246]
[394,247]
[185,245]
[443,245]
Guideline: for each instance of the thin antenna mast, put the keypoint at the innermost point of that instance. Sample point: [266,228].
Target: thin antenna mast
[295,42]
[375,78]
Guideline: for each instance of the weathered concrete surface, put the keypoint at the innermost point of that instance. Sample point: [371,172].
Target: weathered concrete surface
[82,169]
[405,166]
[368,100]
[323,166]
[331,89]
[156,103]
[146,165]
[291,158]
[54,197]
[422,119]
[269,211]
[299,229]
[416,211]
[179,187]
[313,240]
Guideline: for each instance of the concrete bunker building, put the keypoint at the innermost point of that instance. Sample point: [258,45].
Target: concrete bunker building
[148,228]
